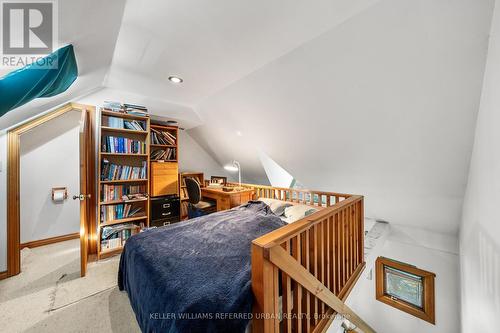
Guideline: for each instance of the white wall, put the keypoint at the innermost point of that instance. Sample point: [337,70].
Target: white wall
[185,115]
[383,105]
[430,251]
[49,157]
[193,158]
[480,228]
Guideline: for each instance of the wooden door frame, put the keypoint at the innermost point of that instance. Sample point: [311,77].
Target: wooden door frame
[13,182]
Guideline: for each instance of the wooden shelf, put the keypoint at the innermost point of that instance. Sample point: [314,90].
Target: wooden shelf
[163,146]
[125,220]
[123,115]
[165,173]
[123,181]
[164,127]
[115,202]
[122,130]
[110,252]
[123,154]
[126,159]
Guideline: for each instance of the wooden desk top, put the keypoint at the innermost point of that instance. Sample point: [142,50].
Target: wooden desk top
[227,200]
[219,191]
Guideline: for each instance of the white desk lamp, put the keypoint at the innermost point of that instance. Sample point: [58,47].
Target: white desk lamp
[235,166]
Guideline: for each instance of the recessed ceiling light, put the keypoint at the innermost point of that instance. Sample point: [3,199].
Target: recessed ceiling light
[175,79]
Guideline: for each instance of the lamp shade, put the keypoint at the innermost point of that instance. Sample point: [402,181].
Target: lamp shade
[231,168]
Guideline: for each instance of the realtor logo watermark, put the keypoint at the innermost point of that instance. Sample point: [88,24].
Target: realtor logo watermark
[29,33]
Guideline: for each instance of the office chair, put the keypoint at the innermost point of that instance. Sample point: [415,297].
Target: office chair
[196,207]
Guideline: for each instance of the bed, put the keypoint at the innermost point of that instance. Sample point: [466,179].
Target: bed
[219,272]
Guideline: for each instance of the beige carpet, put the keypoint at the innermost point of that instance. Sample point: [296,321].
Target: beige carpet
[50,296]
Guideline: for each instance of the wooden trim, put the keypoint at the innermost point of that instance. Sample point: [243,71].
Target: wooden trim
[321,256]
[91,184]
[427,313]
[4,275]
[303,196]
[13,189]
[13,182]
[50,240]
[291,267]
[283,234]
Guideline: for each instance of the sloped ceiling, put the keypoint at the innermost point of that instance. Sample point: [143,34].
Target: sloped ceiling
[376,97]
[212,44]
[92,27]
[383,105]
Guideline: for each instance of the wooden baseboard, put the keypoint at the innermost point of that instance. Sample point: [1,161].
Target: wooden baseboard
[48,241]
[4,275]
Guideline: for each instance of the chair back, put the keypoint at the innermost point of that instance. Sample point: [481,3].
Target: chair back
[193,190]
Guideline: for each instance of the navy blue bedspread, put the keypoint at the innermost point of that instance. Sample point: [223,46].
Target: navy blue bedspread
[191,276]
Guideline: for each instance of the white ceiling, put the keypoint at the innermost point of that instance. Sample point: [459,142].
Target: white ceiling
[383,105]
[377,97]
[212,44]
[92,27]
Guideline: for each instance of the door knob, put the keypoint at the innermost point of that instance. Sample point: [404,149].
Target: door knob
[81,197]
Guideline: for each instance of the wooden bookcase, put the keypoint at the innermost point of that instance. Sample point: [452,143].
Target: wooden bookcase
[139,183]
[164,170]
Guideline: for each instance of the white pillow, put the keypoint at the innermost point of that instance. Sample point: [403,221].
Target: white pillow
[297,212]
[277,206]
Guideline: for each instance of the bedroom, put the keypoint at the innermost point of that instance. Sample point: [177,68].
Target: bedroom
[371,123]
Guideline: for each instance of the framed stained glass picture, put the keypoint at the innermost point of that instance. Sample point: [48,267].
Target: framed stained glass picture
[406,288]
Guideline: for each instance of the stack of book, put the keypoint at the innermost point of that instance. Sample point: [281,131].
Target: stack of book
[112,106]
[137,110]
[163,154]
[113,144]
[120,123]
[111,171]
[115,236]
[135,125]
[117,212]
[162,138]
[121,192]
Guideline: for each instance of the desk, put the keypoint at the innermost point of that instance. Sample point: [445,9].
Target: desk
[227,200]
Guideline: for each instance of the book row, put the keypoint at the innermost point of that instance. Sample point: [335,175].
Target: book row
[121,192]
[162,138]
[113,144]
[120,123]
[111,171]
[121,211]
[163,154]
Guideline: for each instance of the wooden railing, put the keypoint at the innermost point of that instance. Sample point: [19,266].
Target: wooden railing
[307,197]
[302,273]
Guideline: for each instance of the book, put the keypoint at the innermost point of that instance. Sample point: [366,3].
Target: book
[163,154]
[112,171]
[133,109]
[115,236]
[122,192]
[118,212]
[162,138]
[113,144]
[120,123]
